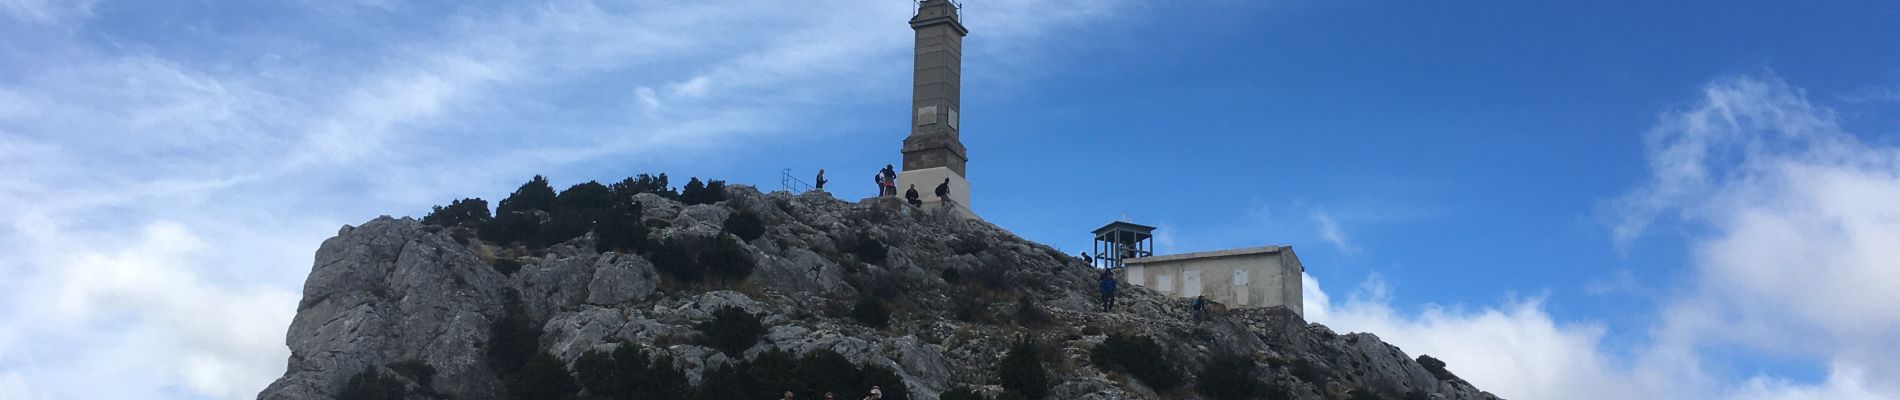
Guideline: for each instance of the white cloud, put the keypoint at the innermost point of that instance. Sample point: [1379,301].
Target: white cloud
[164,199]
[1793,224]
[47,12]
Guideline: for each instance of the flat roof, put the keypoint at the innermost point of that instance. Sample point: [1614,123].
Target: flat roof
[1125,225]
[1209,254]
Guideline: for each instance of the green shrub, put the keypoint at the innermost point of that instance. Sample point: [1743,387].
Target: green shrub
[471,212]
[963,245]
[575,212]
[1140,357]
[727,259]
[513,338]
[372,384]
[1030,314]
[643,183]
[868,249]
[824,370]
[745,224]
[969,307]
[514,227]
[961,393]
[871,312]
[537,194]
[620,230]
[417,371]
[886,380]
[506,266]
[1437,368]
[692,259]
[712,191]
[542,377]
[678,257]
[1021,371]
[1363,394]
[628,372]
[1231,377]
[1309,372]
[732,330]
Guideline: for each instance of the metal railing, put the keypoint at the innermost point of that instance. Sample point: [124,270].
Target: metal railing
[917,6]
[791,184]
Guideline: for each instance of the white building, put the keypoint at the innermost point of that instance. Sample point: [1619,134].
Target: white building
[1238,278]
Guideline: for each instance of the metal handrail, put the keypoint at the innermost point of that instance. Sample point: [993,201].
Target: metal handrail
[790,184]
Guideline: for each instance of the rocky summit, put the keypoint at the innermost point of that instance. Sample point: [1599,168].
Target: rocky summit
[806,293]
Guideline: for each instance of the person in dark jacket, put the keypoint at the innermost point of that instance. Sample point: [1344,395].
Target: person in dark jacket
[821,179]
[1108,291]
[1088,260]
[943,190]
[910,195]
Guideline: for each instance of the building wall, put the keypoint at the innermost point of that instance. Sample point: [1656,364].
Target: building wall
[1239,279]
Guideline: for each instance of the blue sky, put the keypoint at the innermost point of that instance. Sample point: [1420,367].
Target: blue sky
[1688,199]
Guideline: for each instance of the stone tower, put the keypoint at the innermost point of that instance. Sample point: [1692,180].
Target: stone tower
[934,150]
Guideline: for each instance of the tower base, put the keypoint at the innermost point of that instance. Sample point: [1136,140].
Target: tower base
[926,181]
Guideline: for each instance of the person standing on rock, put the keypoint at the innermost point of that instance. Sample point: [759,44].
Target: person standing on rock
[821,179]
[1108,291]
[943,190]
[890,180]
[910,195]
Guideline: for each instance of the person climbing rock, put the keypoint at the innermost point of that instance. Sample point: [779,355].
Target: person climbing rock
[943,190]
[1108,291]
[910,195]
[1200,308]
[876,394]
[1090,261]
[821,179]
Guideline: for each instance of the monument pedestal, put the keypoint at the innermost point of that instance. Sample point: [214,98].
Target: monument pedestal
[927,180]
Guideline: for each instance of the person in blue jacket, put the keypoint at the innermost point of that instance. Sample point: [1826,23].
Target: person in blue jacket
[1108,291]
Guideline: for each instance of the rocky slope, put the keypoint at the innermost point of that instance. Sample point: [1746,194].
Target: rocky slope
[396,289]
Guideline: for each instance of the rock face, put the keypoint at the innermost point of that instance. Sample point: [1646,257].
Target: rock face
[394,289]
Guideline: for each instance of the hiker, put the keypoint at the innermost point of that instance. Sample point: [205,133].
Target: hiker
[789,395]
[943,190]
[1200,308]
[910,195]
[876,394]
[827,395]
[821,179]
[1108,291]
[1088,260]
[890,180]
[880,183]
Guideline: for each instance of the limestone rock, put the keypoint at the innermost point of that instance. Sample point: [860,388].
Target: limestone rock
[394,289]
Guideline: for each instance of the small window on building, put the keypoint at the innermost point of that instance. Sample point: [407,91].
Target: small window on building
[1240,277]
[1164,283]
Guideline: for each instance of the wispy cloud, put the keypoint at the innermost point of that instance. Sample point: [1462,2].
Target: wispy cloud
[1330,231]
